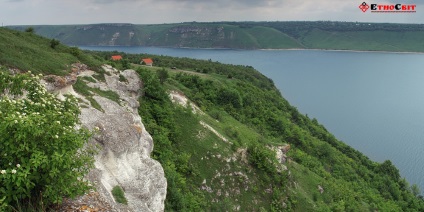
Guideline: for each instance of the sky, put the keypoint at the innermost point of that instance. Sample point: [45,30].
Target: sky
[57,12]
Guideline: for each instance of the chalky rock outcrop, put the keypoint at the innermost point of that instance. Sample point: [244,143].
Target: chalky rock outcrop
[125,145]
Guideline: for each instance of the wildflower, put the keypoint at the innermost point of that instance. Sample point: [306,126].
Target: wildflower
[97,128]
[18,165]
[16,121]
[13,171]
[58,122]
[56,136]
[3,171]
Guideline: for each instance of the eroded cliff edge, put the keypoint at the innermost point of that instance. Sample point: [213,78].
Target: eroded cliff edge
[125,145]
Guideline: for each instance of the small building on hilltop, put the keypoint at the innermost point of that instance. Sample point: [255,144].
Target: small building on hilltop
[116,57]
[147,61]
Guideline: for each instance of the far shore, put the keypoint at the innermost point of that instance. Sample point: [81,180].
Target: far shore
[291,49]
[343,50]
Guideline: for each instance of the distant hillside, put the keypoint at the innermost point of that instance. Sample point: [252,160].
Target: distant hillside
[245,35]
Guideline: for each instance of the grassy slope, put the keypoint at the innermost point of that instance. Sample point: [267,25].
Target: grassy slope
[343,175]
[27,51]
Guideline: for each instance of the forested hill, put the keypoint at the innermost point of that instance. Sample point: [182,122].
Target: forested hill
[245,35]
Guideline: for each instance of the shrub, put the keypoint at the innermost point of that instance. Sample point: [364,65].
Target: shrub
[40,144]
[119,195]
[29,30]
[263,158]
[54,43]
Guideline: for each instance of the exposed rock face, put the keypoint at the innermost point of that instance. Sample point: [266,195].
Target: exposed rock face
[124,156]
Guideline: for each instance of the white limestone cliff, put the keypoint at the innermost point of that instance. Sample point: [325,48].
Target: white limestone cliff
[125,145]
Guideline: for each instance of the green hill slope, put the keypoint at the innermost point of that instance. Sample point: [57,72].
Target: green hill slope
[246,35]
[366,40]
[28,51]
[207,172]
[224,157]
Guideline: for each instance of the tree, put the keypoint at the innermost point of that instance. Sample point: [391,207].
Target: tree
[415,190]
[75,51]
[125,64]
[163,75]
[40,144]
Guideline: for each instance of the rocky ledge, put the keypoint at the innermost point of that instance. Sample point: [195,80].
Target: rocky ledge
[125,145]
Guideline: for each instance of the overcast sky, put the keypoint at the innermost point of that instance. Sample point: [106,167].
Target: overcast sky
[35,12]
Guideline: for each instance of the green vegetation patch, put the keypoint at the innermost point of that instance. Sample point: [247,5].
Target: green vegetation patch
[41,161]
[89,79]
[28,51]
[119,195]
[82,88]
[325,174]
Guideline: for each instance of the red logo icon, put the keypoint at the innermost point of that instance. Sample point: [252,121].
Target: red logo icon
[364,7]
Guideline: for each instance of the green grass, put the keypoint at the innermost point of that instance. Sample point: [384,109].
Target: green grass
[107,94]
[100,77]
[269,38]
[208,157]
[122,78]
[28,51]
[119,195]
[89,79]
[82,88]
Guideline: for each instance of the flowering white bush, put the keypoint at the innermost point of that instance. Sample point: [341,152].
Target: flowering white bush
[40,147]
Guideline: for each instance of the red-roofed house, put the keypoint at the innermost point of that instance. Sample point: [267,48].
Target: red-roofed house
[116,57]
[147,61]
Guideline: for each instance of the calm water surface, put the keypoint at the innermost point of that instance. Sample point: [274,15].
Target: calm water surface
[372,101]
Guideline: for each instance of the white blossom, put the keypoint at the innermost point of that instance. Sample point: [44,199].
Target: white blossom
[13,171]
[56,136]
[18,165]
[58,122]
[3,171]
